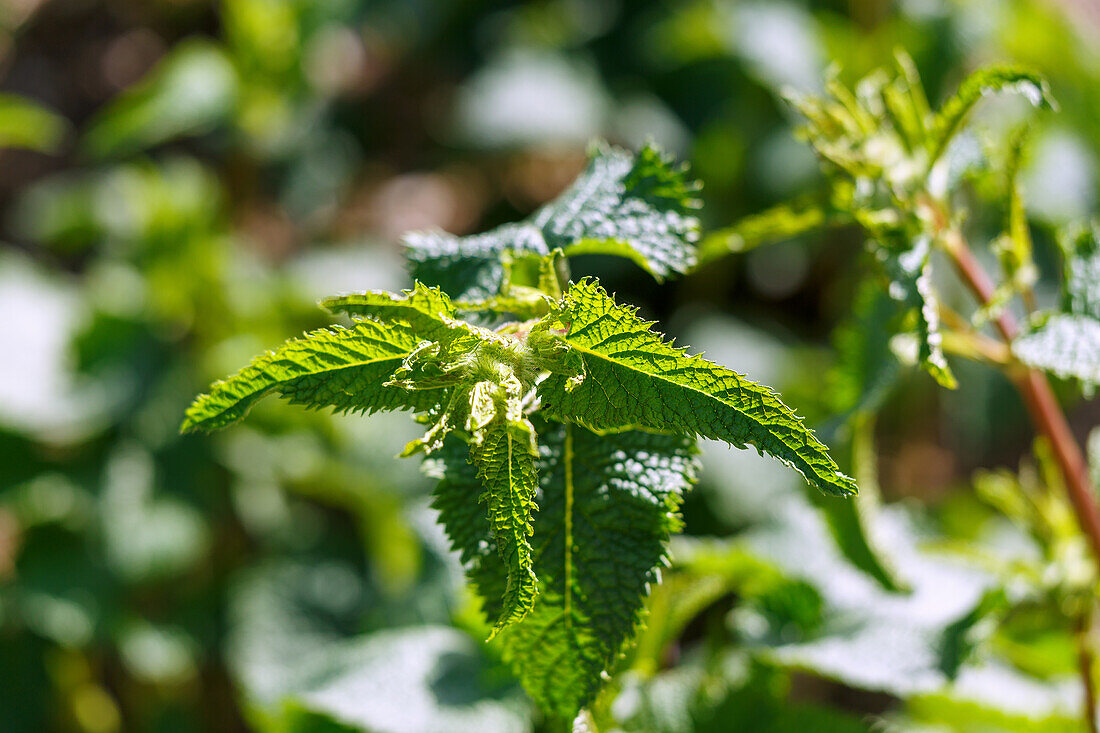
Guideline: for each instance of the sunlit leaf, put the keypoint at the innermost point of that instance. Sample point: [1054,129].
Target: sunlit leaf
[616,373]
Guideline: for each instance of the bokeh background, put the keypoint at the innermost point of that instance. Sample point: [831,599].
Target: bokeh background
[182,180]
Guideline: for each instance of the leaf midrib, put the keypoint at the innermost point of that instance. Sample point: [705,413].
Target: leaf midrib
[603,357]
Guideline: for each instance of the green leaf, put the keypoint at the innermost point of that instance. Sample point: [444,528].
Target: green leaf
[1066,345]
[425,309]
[853,523]
[777,224]
[1081,288]
[190,91]
[470,268]
[866,369]
[910,272]
[342,368]
[615,373]
[297,669]
[26,124]
[503,448]
[634,206]
[1012,79]
[606,511]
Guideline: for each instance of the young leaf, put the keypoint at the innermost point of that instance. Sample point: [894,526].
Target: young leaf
[614,373]
[634,206]
[503,448]
[342,368]
[1033,87]
[607,509]
[423,308]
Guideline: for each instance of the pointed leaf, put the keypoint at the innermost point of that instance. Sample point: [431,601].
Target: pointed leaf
[424,308]
[634,206]
[607,509]
[632,378]
[504,454]
[342,368]
[1033,87]
[777,224]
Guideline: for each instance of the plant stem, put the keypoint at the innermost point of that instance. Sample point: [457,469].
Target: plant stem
[1045,411]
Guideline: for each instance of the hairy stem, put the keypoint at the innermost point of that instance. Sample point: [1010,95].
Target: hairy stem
[1045,411]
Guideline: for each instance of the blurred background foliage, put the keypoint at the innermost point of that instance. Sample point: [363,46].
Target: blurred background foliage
[181,181]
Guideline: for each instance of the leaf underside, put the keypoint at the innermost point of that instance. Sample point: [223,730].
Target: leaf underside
[607,507]
[633,378]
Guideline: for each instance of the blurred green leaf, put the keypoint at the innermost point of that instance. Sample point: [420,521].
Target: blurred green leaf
[1011,79]
[191,90]
[26,124]
[777,224]
[294,651]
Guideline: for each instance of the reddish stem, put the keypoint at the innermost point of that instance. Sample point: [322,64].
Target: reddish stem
[1041,403]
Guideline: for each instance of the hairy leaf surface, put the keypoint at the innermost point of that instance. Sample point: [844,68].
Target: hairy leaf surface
[470,268]
[636,206]
[503,448]
[423,308]
[607,509]
[342,368]
[616,374]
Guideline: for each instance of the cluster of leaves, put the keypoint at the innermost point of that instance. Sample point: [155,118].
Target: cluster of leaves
[583,414]
[897,170]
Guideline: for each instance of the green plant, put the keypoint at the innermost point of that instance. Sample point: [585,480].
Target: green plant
[560,424]
[906,176]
